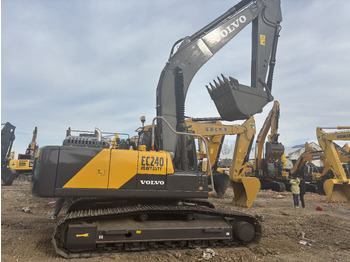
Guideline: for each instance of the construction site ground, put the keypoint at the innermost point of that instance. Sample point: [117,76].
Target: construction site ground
[26,230]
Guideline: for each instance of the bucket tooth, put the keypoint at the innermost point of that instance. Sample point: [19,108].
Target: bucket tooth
[212,86]
[224,78]
[220,81]
[216,84]
[209,90]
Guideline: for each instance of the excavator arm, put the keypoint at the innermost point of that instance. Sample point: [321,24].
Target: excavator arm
[32,147]
[215,133]
[338,188]
[194,51]
[245,188]
[274,150]
[7,138]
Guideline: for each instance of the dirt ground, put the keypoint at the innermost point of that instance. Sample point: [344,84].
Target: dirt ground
[26,236]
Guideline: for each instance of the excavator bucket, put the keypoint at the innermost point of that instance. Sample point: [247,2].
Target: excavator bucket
[337,191]
[235,101]
[245,191]
[220,183]
[274,150]
[7,176]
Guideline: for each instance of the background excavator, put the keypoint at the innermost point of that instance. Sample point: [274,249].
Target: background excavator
[152,198]
[336,188]
[311,178]
[215,134]
[7,138]
[314,180]
[23,165]
[269,169]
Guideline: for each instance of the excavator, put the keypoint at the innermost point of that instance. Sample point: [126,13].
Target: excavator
[154,197]
[7,138]
[336,188]
[312,179]
[269,168]
[215,134]
[315,180]
[23,165]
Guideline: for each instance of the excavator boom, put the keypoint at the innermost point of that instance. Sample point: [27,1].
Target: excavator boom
[233,100]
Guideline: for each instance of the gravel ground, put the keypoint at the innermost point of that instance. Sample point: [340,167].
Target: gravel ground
[27,236]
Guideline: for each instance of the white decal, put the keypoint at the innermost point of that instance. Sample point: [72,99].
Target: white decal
[233,26]
[152,182]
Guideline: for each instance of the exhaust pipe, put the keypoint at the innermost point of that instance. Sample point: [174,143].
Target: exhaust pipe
[98,134]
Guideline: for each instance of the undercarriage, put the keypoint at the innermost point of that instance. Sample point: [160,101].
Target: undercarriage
[119,226]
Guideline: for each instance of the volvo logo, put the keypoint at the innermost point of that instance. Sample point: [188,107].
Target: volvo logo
[235,24]
[152,182]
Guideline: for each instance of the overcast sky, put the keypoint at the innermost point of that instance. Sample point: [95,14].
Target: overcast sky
[96,63]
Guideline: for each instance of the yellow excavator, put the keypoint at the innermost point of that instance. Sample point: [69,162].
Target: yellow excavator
[245,188]
[309,155]
[23,165]
[269,169]
[154,196]
[337,188]
[315,180]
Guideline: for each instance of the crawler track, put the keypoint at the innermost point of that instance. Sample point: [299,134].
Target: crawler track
[192,210]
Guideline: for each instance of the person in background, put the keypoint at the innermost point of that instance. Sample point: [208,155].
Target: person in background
[295,190]
[302,187]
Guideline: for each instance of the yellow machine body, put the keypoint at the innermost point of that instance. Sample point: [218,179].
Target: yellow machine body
[123,164]
[21,165]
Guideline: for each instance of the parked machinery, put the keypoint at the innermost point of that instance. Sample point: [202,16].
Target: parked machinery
[7,138]
[337,188]
[245,188]
[346,147]
[314,180]
[150,199]
[23,165]
[305,160]
[269,169]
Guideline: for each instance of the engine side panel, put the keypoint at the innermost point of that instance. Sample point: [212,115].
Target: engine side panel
[68,171]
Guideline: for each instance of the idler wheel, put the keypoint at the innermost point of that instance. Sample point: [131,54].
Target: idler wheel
[244,231]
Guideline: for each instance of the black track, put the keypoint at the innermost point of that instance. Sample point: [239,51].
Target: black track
[114,211]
